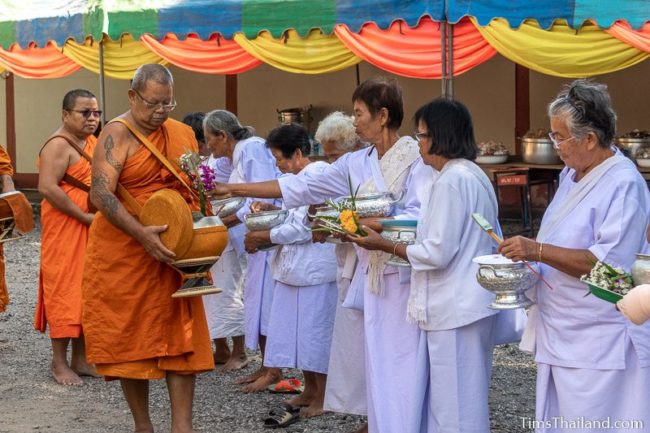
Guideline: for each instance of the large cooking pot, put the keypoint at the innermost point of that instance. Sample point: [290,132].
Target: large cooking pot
[299,115]
[633,146]
[539,151]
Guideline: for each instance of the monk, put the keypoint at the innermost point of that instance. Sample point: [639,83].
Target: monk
[135,330]
[6,171]
[64,179]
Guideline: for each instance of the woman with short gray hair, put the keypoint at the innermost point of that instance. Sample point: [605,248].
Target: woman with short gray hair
[592,363]
[337,135]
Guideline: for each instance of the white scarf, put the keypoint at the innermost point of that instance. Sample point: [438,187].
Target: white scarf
[418,297]
[549,225]
[393,170]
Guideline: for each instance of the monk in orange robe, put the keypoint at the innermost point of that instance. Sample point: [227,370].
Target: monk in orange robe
[6,171]
[64,180]
[135,330]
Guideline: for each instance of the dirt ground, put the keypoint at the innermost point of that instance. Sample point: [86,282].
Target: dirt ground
[30,400]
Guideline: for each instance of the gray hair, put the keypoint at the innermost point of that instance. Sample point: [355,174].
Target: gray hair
[223,120]
[338,128]
[586,107]
[152,71]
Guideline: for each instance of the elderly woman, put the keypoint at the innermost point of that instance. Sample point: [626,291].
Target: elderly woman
[337,136]
[304,298]
[393,165]
[445,299]
[251,161]
[592,364]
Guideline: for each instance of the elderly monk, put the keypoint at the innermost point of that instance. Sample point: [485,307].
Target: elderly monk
[7,185]
[135,330]
[64,179]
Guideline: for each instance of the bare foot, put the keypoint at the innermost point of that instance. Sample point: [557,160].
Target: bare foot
[362,429]
[312,410]
[250,378]
[64,375]
[303,399]
[85,370]
[220,357]
[236,363]
[271,376]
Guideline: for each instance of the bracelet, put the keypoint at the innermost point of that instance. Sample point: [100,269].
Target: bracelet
[395,248]
[539,252]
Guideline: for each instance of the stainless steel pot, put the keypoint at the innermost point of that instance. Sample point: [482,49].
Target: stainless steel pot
[227,206]
[641,270]
[399,231]
[538,151]
[633,145]
[508,280]
[265,220]
[379,204]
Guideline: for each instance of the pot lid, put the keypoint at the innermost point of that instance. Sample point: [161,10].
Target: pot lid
[494,259]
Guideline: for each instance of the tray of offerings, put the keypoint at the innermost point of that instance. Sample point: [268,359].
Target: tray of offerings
[604,294]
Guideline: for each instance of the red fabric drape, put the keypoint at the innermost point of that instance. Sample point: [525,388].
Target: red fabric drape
[32,62]
[214,56]
[415,52]
[639,39]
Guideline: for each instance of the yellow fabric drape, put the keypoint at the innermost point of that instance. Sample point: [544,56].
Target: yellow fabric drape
[561,50]
[121,58]
[315,54]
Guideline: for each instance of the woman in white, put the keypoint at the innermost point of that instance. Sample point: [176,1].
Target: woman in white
[304,297]
[391,164]
[251,161]
[593,365]
[445,299]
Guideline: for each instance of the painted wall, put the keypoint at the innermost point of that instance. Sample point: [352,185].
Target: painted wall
[488,90]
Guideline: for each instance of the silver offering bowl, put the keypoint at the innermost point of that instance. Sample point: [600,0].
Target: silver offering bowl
[265,220]
[227,206]
[508,280]
[377,205]
[399,231]
[641,269]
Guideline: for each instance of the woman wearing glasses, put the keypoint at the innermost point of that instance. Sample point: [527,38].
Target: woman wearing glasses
[392,164]
[592,364]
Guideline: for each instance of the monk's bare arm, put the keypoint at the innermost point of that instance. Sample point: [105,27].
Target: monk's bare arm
[54,162]
[108,161]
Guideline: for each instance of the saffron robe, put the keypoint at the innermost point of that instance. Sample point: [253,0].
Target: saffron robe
[5,168]
[128,312]
[63,246]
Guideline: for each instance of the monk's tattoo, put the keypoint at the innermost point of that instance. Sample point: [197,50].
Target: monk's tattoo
[99,190]
[109,145]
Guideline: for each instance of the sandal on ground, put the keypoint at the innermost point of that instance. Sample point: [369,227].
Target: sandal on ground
[286,386]
[282,416]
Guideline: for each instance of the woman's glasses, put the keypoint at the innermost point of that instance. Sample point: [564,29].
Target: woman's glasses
[419,136]
[87,113]
[557,142]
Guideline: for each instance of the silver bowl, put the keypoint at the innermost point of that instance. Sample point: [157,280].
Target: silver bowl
[539,151]
[265,220]
[227,206]
[641,270]
[209,221]
[400,231]
[508,280]
[374,205]
[326,211]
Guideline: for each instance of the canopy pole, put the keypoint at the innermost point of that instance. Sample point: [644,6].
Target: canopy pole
[102,88]
[450,60]
[443,58]
[356,67]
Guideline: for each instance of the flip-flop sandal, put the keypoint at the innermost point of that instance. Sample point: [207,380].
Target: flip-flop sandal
[282,416]
[286,386]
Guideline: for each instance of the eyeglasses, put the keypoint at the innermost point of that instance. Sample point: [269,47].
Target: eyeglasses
[419,136]
[557,143]
[87,113]
[156,105]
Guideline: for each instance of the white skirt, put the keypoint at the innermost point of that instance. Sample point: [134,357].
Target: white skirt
[258,295]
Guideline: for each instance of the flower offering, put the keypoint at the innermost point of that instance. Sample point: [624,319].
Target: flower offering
[347,220]
[201,175]
[609,278]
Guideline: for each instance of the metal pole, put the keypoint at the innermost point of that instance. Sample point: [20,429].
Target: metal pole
[443,57]
[102,89]
[450,61]
[356,67]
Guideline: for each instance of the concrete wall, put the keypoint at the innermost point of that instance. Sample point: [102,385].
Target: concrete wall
[488,90]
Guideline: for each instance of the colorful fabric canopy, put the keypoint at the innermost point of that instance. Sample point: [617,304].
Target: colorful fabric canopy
[214,56]
[638,39]
[562,51]
[32,62]
[415,52]
[316,54]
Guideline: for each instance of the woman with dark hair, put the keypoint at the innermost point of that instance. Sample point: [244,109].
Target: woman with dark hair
[226,313]
[391,164]
[592,363]
[304,298]
[445,298]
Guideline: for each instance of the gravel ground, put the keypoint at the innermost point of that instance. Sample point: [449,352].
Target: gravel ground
[30,400]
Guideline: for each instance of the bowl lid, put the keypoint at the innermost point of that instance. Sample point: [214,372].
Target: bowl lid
[493,259]
[399,223]
[267,213]
[168,207]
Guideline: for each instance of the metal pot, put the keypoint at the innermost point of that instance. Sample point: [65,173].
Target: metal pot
[227,206]
[265,220]
[538,151]
[641,270]
[399,231]
[508,280]
[634,146]
[379,204]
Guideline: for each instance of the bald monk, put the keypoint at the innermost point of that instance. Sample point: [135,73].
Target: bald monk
[6,171]
[64,179]
[134,330]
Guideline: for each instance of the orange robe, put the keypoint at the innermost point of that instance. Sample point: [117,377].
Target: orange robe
[5,168]
[63,245]
[132,326]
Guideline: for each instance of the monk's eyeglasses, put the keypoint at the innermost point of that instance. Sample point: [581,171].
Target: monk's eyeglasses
[156,105]
[87,113]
